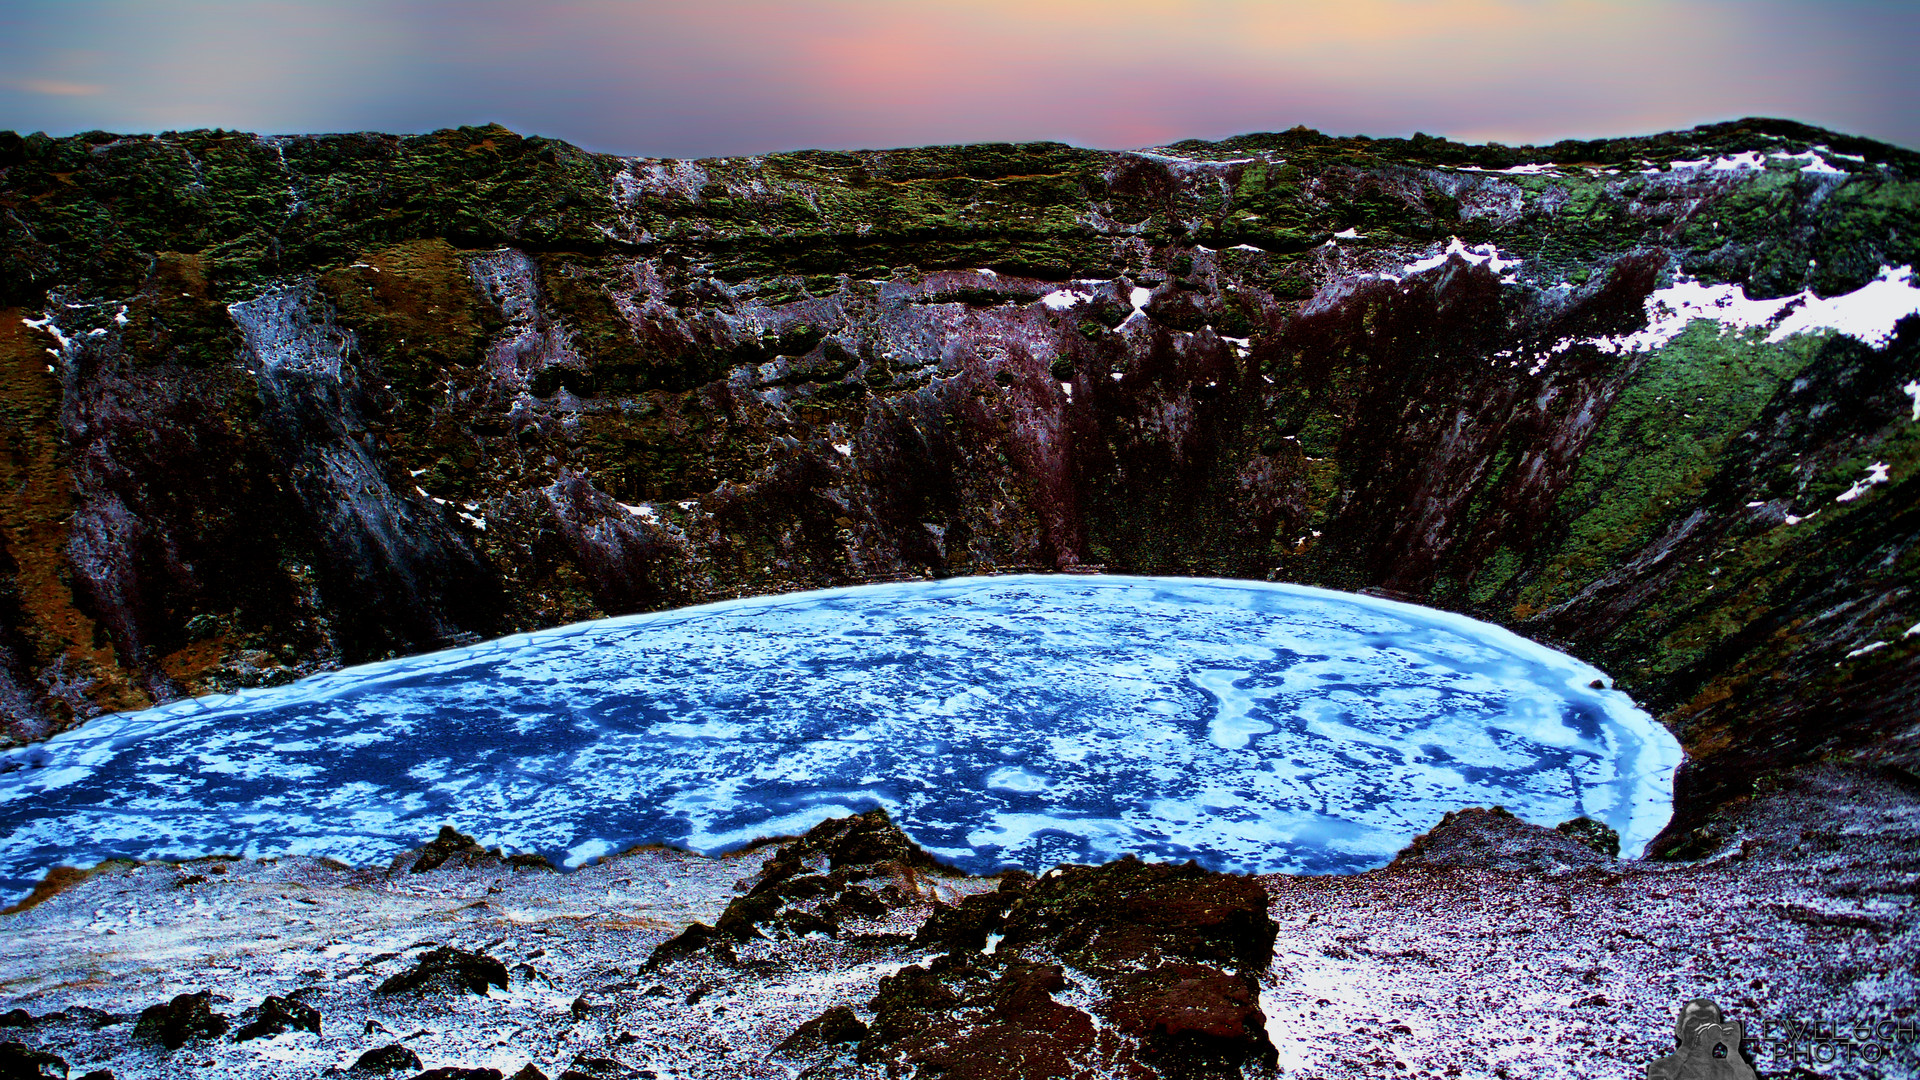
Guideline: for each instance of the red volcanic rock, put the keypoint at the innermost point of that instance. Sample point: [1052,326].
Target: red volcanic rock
[1187,1000]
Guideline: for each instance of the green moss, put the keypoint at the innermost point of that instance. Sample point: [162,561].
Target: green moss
[1493,575]
[1650,462]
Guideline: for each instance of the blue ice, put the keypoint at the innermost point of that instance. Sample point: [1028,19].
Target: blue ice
[1003,721]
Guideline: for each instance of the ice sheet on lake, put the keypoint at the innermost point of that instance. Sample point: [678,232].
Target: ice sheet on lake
[1021,720]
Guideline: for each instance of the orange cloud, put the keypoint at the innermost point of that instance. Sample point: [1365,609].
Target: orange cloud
[59,88]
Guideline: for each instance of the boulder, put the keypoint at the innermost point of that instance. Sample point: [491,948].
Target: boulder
[277,1015]
[449,844]
[447,970]
[836,1025]
[186,1017]
[387,1059]
[17,1062]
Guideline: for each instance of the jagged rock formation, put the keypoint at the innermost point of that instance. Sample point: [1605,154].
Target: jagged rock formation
[1490,945]
[278,404]
[1124,969]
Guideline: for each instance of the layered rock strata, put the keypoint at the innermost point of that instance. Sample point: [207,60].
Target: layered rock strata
[274,405]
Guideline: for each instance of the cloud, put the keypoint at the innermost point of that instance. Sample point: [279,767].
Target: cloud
[665,77]
[60,88]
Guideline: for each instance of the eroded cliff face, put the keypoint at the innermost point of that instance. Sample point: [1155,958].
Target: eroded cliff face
[277,405]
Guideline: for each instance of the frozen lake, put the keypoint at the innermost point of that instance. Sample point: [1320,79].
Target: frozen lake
[1003,721]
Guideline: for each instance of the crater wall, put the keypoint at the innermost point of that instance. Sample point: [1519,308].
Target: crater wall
[275,405]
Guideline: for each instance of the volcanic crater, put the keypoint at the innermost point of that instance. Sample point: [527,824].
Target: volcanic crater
[276,405]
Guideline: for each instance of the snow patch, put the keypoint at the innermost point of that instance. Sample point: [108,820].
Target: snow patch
[1747,159]
[285,335]
[581,854]
[1541,168]
[1912,390]
[1476,255]
[48,325]
[1814,162]
[1876,474]
[1868,314]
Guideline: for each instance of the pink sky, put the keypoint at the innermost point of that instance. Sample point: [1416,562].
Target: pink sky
[746,76]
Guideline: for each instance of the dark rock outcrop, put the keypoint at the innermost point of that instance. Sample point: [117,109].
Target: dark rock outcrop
[1167,957]
[449,844]
[1493,839]
[1597,835]
[185,1018]
[836,1025]
[595,1067]
[447,970]
[1150,964]
[386,1059]
[18,1062]
[846,872]
[276,1015]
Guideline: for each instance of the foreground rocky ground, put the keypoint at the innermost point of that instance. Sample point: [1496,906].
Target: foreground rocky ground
[1490,948]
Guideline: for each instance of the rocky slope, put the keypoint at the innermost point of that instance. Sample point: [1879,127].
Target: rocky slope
[277,404]
[1490,948]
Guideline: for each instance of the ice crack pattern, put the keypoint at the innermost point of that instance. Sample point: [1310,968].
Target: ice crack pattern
[1022,720]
